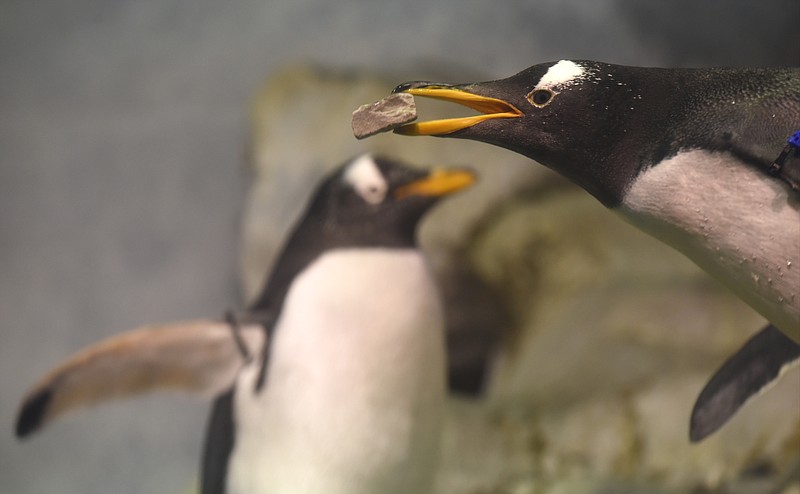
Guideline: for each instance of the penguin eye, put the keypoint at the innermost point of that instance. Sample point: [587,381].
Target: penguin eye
[540,97]
[373,194]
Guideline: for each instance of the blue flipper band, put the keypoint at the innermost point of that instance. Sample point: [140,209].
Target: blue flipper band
[795,139]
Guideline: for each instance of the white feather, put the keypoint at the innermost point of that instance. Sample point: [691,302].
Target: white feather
[367,180]
[561,74]
[355,385]
[733,220]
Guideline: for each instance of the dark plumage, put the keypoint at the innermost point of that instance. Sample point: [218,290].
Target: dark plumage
[32,413]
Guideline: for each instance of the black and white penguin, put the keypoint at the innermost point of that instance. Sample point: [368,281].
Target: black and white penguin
[688,156]
[348,396]
[333,381]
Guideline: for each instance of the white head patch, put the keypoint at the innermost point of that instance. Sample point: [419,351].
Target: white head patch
[365,177]
[561,74]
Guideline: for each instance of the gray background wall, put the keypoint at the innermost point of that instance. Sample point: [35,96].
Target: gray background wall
[122,167]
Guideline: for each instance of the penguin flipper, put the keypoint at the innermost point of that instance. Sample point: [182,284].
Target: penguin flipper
[196,356]
[745,374]
[218,445]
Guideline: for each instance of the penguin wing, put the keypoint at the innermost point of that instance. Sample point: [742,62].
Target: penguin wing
[749,371]
[218,445]
[198,356]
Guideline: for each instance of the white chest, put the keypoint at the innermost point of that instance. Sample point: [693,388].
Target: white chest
[734,221]
[355,383]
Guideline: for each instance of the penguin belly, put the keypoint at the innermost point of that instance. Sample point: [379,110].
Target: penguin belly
[355,385]
[733,220]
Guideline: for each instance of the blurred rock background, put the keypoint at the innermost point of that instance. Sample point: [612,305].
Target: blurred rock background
[126,145]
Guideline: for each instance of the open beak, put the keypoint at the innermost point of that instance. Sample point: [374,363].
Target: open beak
[438,183]
[488,107]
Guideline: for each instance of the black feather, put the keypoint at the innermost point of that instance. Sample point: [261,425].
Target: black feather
[32,413]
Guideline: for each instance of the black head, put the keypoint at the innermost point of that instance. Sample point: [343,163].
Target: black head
[374,201]
[367,202]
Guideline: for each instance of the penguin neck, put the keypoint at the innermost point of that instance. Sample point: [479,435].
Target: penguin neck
[310,239]
[737,223]
[602,175]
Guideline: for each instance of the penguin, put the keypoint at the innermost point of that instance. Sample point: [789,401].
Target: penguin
[334,378]
[348,395]
[686,155]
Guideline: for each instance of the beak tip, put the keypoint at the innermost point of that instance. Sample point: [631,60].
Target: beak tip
[401,88]
[405,130]
[408,86]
